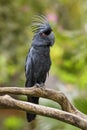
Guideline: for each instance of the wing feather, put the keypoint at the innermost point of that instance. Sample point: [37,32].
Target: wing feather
[29,71]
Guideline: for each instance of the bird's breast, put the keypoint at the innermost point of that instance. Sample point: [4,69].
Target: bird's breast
[41,59]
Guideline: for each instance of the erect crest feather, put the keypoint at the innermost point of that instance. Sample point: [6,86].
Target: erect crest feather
[39,23]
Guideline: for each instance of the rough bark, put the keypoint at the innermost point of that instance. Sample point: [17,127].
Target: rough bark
[68,114]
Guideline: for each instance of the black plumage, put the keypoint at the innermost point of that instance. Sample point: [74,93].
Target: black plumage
[38,59]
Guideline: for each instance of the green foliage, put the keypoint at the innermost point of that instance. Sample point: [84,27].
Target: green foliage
[13,123]
[81,104]
[12,39]
[70,61]
[49,124]
[69,54]
[70,13]
[49,103]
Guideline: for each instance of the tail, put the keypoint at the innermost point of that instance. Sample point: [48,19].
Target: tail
[30,116]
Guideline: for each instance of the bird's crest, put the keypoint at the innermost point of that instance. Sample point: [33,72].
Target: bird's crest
[40,23]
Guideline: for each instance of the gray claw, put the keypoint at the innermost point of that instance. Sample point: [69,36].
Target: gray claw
[40,85]
[37,85]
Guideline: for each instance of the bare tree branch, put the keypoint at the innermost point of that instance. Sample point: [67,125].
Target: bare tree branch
[69,114]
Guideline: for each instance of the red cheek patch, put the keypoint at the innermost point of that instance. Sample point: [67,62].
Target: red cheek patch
[43,34]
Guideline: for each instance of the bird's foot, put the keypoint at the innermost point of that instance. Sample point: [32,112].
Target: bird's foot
[39,85]
[42,84]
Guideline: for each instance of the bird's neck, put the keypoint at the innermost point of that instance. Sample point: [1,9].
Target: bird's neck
[42,49]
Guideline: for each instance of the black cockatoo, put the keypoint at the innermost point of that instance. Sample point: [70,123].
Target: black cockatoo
[38,60]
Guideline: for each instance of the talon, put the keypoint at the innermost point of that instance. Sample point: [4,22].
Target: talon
[37,85]
[42,85]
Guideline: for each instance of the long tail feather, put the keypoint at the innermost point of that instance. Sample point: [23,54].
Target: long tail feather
[30,116]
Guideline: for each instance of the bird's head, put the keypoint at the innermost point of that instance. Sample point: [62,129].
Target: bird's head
[43,34]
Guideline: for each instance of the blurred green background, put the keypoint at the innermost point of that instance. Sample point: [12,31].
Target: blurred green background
[69,55]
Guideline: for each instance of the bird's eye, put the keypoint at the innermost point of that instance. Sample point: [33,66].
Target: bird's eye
[46,33]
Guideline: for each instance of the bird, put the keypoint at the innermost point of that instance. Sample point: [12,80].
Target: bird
[38,61]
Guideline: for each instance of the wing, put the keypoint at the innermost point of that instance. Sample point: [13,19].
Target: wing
[29,71]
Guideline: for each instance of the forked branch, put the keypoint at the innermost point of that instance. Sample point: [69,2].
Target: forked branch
[68,114]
